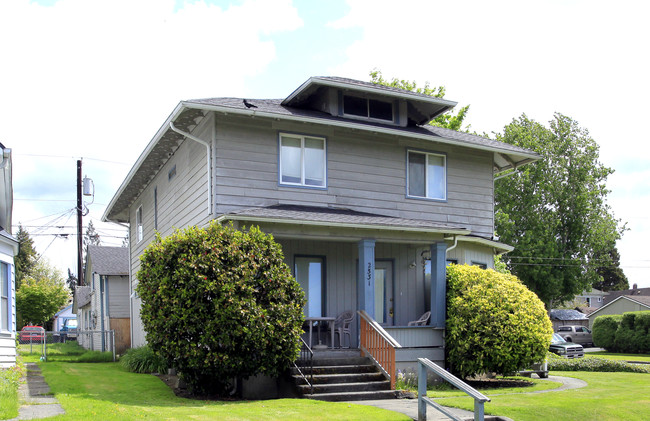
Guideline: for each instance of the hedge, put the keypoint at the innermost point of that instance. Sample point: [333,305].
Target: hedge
[494,323]
[629,332]
[557,363]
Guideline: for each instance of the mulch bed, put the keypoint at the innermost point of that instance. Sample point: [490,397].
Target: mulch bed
[498,383]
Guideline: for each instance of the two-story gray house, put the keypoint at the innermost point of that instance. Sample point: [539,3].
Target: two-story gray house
[368,201]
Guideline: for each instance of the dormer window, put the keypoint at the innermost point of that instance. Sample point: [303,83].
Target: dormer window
[367,108]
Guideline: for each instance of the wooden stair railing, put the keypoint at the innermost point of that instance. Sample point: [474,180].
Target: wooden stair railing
[378,345]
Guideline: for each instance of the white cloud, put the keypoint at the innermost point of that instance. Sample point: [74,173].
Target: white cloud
[95,79]
[584,59]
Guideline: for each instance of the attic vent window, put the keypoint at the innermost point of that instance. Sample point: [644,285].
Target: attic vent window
[367,108]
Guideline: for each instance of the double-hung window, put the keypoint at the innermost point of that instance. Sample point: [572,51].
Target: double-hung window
[302,161]
[4,297]
[427,175]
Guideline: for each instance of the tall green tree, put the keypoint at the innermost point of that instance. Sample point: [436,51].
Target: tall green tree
[448,120]
[555,212]
[609,269]
[41,295]
[26,257]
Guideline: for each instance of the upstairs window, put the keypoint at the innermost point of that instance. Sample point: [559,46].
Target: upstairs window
[427,175]
[302,160]
[368,108]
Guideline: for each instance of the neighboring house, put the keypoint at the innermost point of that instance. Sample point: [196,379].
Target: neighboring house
[366,199]
[594,298]
[8,249]
[634,292]
[61,316]
[561,317]
[104,305]
[620,305]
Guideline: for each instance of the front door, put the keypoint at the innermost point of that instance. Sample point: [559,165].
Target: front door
[384,309]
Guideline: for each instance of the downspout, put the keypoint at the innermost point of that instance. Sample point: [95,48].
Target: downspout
[208,158]
[453,246]
[102,280]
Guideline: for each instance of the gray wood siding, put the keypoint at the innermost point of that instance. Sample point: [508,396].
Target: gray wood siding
[182,202]
[364,172]
[118,296]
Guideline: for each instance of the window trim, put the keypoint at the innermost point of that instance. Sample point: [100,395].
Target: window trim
[139,225]
[368,118]
[480,264]
[426,163]
[323,279]
[302,184]
[6,268]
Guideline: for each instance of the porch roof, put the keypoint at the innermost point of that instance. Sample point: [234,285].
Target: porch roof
[337,217]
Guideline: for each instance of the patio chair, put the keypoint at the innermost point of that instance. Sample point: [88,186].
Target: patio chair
[342,326]
[422,321]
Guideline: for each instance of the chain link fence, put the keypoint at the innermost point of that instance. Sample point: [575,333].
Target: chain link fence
[38,339]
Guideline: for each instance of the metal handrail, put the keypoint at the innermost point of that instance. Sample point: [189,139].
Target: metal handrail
[306,354]
[426,364]
[379,346]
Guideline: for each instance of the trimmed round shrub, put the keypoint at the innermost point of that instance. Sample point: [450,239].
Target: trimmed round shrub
[218,303]
[494,323]
[604,331]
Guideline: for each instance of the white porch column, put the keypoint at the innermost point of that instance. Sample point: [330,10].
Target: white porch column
[366,277]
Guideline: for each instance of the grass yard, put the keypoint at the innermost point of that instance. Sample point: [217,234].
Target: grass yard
[107,391]
[608,396]
[447,391]
[621,357]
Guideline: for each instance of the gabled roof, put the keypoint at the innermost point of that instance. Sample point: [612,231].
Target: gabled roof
[82,297]
[642,300]
[188,114]
[634,292]
[108,260]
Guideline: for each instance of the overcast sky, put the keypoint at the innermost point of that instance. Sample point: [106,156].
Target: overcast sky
[96,79]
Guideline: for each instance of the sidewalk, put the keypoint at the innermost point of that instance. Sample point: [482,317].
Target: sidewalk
[34,394]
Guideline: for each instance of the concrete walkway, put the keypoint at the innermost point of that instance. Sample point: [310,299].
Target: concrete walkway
[409,407]
[34,394]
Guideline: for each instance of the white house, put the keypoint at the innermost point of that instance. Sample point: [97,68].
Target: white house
[8,249]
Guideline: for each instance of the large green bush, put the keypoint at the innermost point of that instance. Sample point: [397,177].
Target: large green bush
[629,332]
[604,331]
[219,303]
[494,323]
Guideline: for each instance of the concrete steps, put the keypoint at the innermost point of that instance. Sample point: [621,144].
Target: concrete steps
[344,378]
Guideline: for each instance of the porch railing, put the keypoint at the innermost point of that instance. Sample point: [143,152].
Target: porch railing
[426,364]
[306,361]
[379,345]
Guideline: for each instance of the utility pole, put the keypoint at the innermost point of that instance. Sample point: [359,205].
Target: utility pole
[80,275]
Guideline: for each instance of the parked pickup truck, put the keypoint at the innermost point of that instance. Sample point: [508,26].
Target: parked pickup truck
[576,334]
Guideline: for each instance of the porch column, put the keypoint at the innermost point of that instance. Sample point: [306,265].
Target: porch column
[366,277]
[438,284]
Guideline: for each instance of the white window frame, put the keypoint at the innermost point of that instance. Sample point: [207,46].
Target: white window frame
[302,161]
[6,283]
[139,232]
[426,176]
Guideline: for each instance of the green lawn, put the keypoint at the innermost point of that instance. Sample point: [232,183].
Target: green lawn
[621,357]
[608,396]
[448,392]
[106,391]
